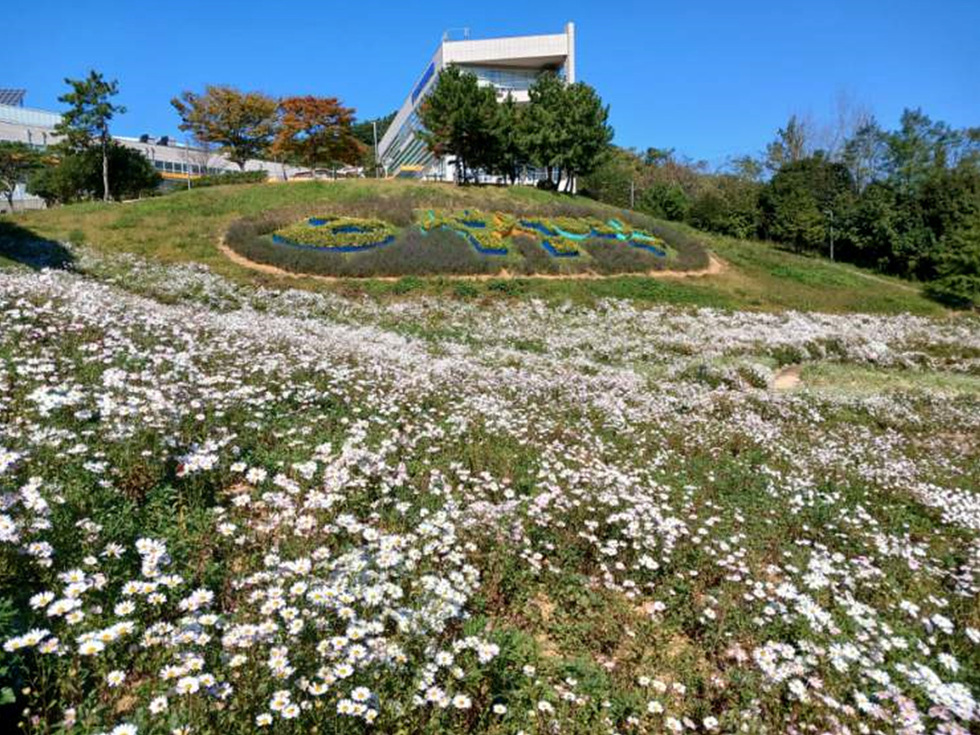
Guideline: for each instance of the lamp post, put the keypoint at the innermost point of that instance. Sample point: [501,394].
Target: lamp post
[187,160]
[830,214]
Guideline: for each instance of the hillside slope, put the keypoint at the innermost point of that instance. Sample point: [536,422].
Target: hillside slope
[188,226]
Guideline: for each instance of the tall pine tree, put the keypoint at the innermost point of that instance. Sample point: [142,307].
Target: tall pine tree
[86,122]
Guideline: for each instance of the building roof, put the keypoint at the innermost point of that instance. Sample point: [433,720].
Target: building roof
[12,97]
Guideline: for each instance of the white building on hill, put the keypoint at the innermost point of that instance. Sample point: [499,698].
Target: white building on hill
[508,64]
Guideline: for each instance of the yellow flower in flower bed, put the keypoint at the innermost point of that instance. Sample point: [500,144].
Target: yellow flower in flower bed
[480,229]
[489,233]
[338,234]
[558,243]
[576,225]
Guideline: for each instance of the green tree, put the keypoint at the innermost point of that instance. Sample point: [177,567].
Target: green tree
[611,181]
[509,154]
[662,183]
[864,154]
[458,116]
[86,122]
[658,156]
[242,124]
[61,183]
[566,128]
[17,162]
[797,201]
[886,230]
[78,175]
[364,132]
[795,218]
[667,201]
[957,280]
[747,168]
[792,144]
[916,149]
[586,130]
[924,185]
[544,132]
[728,204]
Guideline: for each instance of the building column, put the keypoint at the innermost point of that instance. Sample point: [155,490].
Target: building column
[570,59]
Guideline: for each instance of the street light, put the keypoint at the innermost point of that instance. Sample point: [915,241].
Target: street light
[830,214]
[187,160]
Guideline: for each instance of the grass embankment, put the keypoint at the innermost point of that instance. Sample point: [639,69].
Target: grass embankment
[187,227]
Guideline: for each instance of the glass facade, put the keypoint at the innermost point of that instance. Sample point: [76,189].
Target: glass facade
[406,149]
[506,80]
[176,167]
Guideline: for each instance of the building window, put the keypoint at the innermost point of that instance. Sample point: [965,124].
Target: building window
[505,79]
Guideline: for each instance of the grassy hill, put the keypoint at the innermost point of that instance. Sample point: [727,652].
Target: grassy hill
[188,227]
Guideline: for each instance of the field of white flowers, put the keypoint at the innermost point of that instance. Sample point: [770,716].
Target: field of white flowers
[225,509]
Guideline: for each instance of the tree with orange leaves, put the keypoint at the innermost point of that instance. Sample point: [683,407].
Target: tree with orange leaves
[241,123]
[316,130]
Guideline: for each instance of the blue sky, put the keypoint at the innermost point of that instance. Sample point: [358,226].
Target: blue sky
[708,78]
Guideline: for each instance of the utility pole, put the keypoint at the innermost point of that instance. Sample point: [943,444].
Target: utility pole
[374,124]
[632,193]
[830,214]
[187,160]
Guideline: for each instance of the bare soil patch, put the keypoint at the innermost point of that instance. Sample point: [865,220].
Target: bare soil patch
[787,378]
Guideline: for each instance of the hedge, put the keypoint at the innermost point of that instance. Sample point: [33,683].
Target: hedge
[232,177]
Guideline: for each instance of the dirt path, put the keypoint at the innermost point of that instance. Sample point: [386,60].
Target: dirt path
[715,266]
[787,378]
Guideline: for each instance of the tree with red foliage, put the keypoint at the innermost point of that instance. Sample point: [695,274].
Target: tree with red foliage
[317,130]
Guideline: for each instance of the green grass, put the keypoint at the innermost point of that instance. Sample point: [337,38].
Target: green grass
[763,275]
[858,380]
[187,226]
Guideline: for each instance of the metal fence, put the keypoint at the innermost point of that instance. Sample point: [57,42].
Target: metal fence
[22,205]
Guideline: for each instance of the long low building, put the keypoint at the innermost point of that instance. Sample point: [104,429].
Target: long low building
[173,159]
[510,65]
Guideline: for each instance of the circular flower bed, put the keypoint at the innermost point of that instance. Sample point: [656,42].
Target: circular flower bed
[338,234]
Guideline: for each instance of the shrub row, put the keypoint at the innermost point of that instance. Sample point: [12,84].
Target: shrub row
[615,256]
[232,177]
